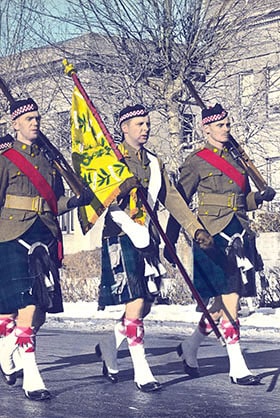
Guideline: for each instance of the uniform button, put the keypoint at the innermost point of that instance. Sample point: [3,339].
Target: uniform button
[206,212]
[215,150]
[35,166]
[210,174]
[230,181]
[11,217]
[235,209]
[146,180]
[32,154]
[23,146]
[18,173]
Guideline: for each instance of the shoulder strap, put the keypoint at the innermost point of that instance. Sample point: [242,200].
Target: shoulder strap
[34,176]
[223,165]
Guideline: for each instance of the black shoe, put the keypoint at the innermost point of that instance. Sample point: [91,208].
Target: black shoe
[112,377]
[38,395]
[249,380]
[149,387]
[19,373]
[191,371]
[10,379]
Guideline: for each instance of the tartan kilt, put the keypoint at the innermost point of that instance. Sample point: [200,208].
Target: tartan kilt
[211,279]
[132,264]
[15,280]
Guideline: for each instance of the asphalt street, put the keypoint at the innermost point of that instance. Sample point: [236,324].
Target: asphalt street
[72,373]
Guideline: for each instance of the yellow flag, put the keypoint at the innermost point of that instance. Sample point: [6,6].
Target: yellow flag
[95,161]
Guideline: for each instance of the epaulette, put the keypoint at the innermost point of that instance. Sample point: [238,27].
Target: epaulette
[196,150]
[6,142]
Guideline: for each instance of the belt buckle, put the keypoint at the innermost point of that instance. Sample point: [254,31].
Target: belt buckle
[37,204]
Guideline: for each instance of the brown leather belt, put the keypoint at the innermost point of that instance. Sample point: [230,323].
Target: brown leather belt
[34,204]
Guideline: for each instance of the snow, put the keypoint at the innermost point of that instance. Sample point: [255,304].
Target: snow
[262,323]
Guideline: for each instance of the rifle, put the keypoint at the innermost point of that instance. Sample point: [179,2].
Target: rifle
[52,154]
[71,72]
[236,150]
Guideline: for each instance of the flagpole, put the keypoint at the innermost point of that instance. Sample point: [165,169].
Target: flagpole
[71,72]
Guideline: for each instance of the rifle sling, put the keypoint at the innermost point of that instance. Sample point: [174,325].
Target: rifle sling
[223,165]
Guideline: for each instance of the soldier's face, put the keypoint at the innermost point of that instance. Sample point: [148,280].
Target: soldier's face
[137,131]
[218,132]
[27,126]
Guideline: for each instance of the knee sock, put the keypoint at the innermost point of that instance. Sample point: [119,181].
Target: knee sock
[119,331]
[32,379]
[191,345]
[8,344]
[134,329]
[237,364]
[110,344]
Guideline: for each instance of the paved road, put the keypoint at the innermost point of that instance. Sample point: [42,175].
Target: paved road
[73,375]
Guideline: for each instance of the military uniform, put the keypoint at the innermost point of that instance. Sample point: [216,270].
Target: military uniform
[25,215]
[169,197]
[222,208]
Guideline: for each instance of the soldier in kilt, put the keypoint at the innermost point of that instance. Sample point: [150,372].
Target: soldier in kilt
[224,197]
[31,197]
[131,269]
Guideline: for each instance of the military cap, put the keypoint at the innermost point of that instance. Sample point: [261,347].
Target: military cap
[131,112]
[20,107]
[213,114]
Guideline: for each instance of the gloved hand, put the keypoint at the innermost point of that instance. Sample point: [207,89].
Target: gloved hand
[83,200]
[128,185]
[267,195]
[204,239]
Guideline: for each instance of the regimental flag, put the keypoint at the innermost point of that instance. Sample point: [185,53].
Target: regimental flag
[95,161]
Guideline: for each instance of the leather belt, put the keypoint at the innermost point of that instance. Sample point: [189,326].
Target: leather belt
[34,204]
[231,200]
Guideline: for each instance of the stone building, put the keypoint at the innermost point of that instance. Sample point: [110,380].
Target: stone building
[249,86]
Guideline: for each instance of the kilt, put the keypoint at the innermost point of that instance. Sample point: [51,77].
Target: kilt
[212,279]
[15,280]
[121,281]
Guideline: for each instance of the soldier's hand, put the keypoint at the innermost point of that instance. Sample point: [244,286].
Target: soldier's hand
[83,200]
[204,239]
[268,195]
[128,185]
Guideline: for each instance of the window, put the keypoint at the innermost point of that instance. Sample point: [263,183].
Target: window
[246,89]
[273,94]
[187,128]
[66,221]
[3,129]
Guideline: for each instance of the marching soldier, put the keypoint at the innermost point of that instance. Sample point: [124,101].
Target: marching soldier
[131,268]
[224,197]
[31,198]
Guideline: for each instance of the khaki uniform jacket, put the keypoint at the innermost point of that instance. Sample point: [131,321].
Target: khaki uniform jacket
[219,197]
[168,195]
[15,221]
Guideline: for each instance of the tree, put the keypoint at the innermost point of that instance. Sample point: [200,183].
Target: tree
[145,50]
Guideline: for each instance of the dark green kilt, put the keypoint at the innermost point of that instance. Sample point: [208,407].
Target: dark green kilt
[15,281]
[131,265]
[213,279]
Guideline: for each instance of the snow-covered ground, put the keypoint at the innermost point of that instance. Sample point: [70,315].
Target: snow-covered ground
[264,322]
